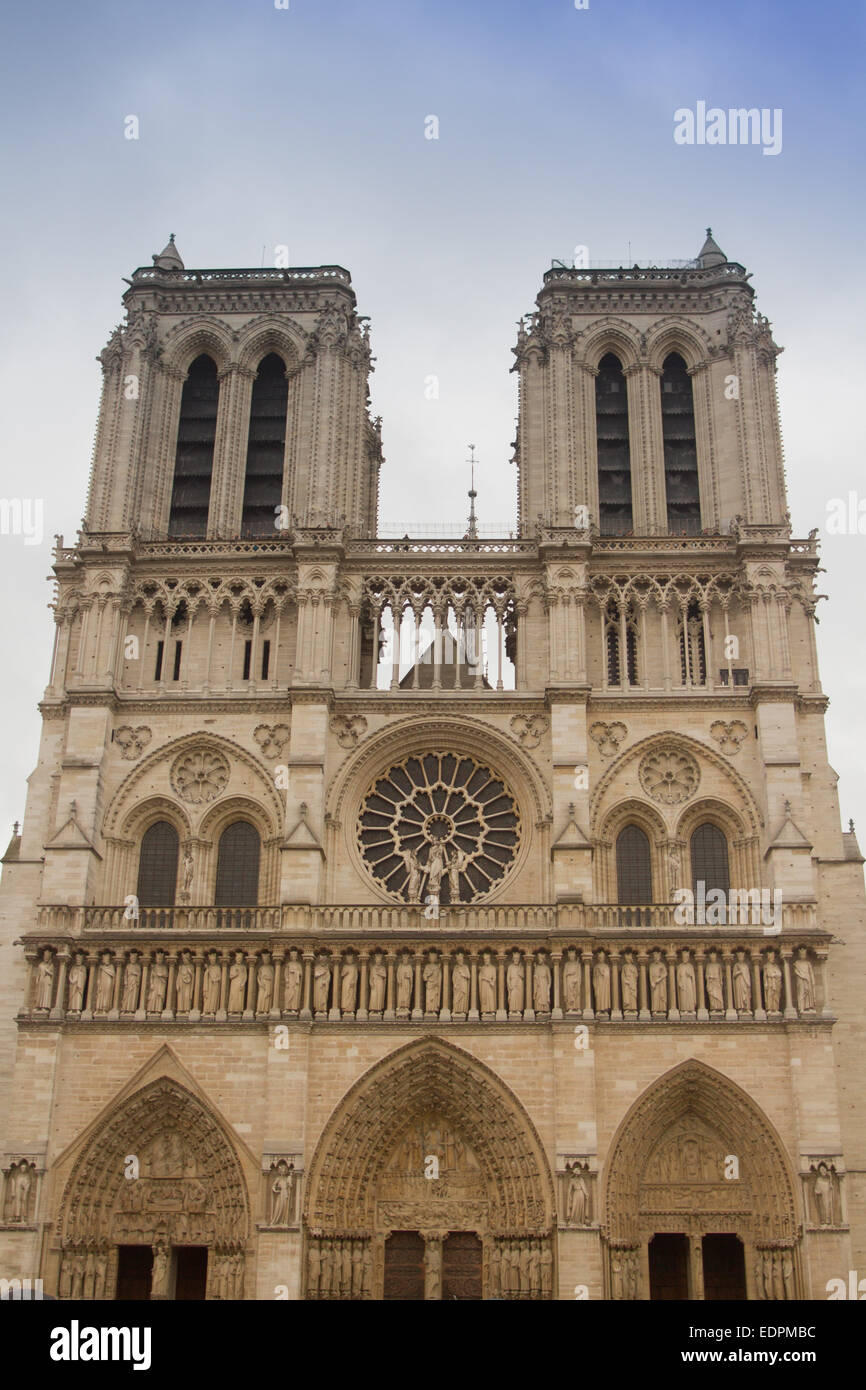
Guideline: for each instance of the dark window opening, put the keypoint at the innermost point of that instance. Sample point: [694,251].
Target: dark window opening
[614,456]
[692,631]
[134,1271]
[248,656]
[633,867]
[157,675]
[196,436]
[266,446]
[724,1265]
[157,866]
[266,659]
[680,449]
[613,643]
[237,877]
[709,851]
[669,1266]
[178,648]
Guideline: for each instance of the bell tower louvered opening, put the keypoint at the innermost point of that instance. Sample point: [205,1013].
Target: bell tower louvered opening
[680,449]
[193,466]
[614,458]
[266,446]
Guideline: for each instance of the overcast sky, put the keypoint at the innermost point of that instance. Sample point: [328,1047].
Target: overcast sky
[260,127]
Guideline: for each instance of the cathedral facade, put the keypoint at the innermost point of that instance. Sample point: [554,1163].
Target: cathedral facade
[405,919]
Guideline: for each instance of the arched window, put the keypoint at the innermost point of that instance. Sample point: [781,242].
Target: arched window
[193,464]
[615,624]
[709,849]
[680,449]
[237,876]
[614,458]
[634,880]
[157,866]
[266,446]
[693,651]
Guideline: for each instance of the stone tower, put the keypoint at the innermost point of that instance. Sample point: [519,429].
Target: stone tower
[466,918]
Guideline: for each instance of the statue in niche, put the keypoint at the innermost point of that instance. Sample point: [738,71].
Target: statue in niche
[487,985]
[346,1272]
[534,1269]
[742,984]
[541,985]
[571,981]
[237,984]
[437,863]
[45,980]
[378,982]
[185,981]
[159,1278]
[413,869]
[432,1269]
[104,983]
[805,978]
[673,866]
[131,984]
[405,979]
[715,989]
[601,984]
[293,975]
[321,984]
[432,984]
[265,983]
[460,985]
[158,985]
[325,1266]
[523,1258]
[824,1191]
[456,866]
[282,1194]
[368,1270]
[514,984]
[19,1183]
[658,979]
[77,984]
[493,1269]
[577,1207]
[212,982]
[788,1273]
[772,983]
[686,984]
[629,983]
[348,985]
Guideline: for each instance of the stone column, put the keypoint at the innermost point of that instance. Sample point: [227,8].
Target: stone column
[250,1001]
[790,1009]
[673,1011]
[474,1015]
[195,1002]
[363,1011]
[306,1011]
[501,1010]
[389,997]
[615,1010]
[417,993]
[141,1011]
[642,960]
[730,1011]
[59,1010]
[334,1012]
[586,957]
[222,1011]
[758,1010]
[703,1013]
[555,963]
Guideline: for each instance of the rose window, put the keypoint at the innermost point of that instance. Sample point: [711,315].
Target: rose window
[669,776]
[443,825]
[200,776]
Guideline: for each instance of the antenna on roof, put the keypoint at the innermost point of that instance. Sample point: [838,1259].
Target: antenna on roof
[472,532]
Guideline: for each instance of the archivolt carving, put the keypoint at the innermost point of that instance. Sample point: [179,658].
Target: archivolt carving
[382,1111]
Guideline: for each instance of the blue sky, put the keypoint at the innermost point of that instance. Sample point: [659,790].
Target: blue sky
[261,127]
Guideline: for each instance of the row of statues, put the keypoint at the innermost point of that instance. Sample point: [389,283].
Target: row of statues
[774,1274]
[521,1269]
[82,1274]
[513,983]
[339,1268]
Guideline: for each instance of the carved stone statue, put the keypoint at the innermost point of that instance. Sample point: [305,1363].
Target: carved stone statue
[772,983]
[19,1184]
[77,984]
[187,871]
[405,979]
[212,982]
[577,1210]
[185,982]
[487,985]
[265,982]
[436,866]
[514,982]
[321,984]
[658,980]
[742,984]
[413,869]
[348,985]
[541,985]
[715,987]
[44,981]
[314,1266]
[805,982]
[378,983]
[628,981]
[686,984]
[159,1277]
[293,975]
[456,865]
[158,984]
[432,984]
[825,1191]
[546,1267]
[104,983]
[601,984]
[460,978]
[571,981]
[282,1190]
[433,1269]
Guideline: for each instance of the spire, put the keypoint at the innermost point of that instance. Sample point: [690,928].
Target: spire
[169,257]
[472,532]
[711,254]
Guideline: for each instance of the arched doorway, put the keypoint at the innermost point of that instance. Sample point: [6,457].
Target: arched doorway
[429,1181]
[699,1198]
[156,1205]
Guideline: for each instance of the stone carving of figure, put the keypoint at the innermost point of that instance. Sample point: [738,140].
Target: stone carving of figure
[185,982]
[357,1268]
[546,1267]
[577,1211]
[187,872]
[293,975]
[742,984]
[772,983]
[824,1190]
[541,985]
[281,1189]
[631,1277]
[413,869]
[265,982]
[778,1284]
[759,1275]
[321,984]
[523,1266]
[432,984]
[158,984]
[348,985]
[346,1269]
[314,1266]
[534,1269]
[131,984]
[460,985]
[788,1273]
[77,983]
[104,983]
[629,983]
[616,1276]
[368,1271]
[514,981]
[571,981]
[601,984]
[715,991]
[805,982]
[378,981]
[436,866]
[45,980]
[487,985]
[65,1286]
[405,978]
[658,979]
[686,984]
[456,864]
[20,1182]
[432,1270]
[212,981]
[237,984]
[326,1267]
[159,1278]
[673,865]
[494,1269]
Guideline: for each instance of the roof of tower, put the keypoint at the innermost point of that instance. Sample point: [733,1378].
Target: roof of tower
[711,253]
[169,257]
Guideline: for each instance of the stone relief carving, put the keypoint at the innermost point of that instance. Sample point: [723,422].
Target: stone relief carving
[199,776]
[132,741]
[824,1191]
[282,1187]
[529,729]
[669,776]
[271,738]
[349,729]
[728,734]
[608,737]
[20,1192]
[576,1183]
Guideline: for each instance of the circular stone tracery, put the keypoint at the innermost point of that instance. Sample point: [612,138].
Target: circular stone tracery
[441,824]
